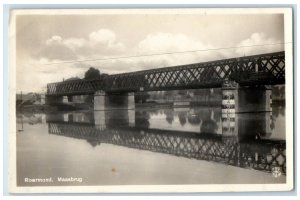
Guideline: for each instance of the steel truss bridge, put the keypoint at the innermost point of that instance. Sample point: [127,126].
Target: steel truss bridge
[261,155]
[264,69]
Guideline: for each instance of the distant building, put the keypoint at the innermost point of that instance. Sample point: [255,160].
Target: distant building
[30,99]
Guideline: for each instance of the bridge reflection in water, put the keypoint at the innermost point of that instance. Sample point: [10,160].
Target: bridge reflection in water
[131,129]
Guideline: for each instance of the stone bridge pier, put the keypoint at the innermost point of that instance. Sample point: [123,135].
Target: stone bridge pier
[113,101]
[245,99]
[105,103]
[246,111]
[108,119]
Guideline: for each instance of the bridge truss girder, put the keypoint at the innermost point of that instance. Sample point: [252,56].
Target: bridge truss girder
[265,69]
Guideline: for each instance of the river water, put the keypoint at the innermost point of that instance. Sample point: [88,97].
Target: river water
[192,145]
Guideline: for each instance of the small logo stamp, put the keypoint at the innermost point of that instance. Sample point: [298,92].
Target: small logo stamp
[276,172]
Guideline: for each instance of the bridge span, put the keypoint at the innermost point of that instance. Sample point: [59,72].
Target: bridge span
[264,69]
[254,73]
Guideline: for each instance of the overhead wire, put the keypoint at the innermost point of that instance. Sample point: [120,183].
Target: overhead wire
[165,53]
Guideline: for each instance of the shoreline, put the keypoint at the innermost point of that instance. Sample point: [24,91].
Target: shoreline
[140,106]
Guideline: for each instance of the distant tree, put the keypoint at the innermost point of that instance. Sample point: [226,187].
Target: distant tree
[169,115]
[72,79]
[92,73]
[194,119]
[182,118]
[103,75]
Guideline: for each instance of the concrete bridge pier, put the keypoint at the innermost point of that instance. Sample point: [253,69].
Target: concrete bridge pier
[65,99]
[43,99]
[240,108]
[113,101]
[67,117]
[106,118]
[100,120]
[131,118]
[248,126]
[237,99]
[106,102]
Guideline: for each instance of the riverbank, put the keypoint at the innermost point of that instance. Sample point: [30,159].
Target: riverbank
[81,107]
[89,107]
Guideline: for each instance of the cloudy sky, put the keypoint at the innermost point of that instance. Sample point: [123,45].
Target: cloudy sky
[47,43]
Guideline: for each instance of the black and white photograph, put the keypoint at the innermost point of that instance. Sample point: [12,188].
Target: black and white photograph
[151,100]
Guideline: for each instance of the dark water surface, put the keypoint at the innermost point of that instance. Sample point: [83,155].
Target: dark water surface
[150,146]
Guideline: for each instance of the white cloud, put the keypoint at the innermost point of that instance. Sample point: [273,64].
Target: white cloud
[107,39]
[156,43]
[254,43]
[55,39]
[160,42]
[104,36]
[166,42]
[43,72]
[104,43]
[98,44]
[75,43]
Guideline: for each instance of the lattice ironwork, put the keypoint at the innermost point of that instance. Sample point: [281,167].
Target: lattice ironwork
[260,155]
[252,70]
[75,87]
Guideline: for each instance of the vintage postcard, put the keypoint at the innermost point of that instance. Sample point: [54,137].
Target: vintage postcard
[151,100]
